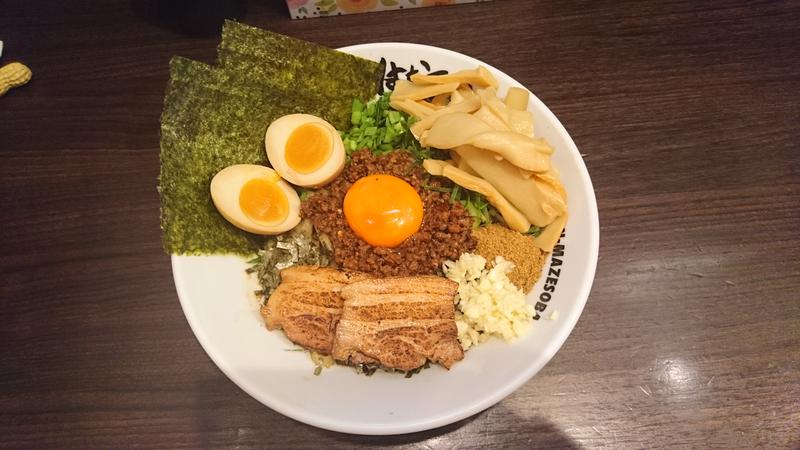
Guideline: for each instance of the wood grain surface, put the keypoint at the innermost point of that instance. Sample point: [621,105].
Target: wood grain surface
[686,113]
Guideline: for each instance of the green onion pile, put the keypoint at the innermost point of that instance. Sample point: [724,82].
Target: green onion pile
[380,128]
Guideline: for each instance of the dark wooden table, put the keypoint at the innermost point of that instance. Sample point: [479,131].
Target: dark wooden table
[687,115]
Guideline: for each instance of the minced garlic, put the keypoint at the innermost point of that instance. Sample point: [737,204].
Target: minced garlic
[488,304]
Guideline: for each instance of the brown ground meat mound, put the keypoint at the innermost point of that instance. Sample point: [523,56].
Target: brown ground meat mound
[445,232]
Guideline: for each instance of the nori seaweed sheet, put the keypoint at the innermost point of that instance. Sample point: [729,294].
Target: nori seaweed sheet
[300,66]
[216,116]
[202,132]
[212,119]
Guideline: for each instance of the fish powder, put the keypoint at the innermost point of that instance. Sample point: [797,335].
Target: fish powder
[496,240]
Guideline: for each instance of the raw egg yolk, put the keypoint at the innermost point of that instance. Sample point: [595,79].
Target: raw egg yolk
[383,210]
[263,201]
[308,148]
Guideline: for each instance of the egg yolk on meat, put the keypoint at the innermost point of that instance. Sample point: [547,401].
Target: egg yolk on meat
[309,146]
[263,201]
[383,210]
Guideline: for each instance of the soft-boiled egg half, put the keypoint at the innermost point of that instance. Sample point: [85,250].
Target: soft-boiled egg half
[383,210]
[255,199]
[305,150]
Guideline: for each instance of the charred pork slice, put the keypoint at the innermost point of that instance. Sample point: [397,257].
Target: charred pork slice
[307,305]
[398,323]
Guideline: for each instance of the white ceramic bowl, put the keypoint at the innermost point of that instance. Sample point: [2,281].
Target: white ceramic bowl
[216,297]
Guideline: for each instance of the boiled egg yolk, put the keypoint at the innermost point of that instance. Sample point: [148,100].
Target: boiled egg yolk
[263,201]
[308,147]
[383,210]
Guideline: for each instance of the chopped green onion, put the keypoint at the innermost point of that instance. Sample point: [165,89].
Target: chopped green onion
[534,230]
[454,195]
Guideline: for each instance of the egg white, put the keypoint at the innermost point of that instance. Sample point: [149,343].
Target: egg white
[226,186]
[278,133]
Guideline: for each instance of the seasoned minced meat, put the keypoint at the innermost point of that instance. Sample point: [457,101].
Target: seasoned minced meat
[445,232]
